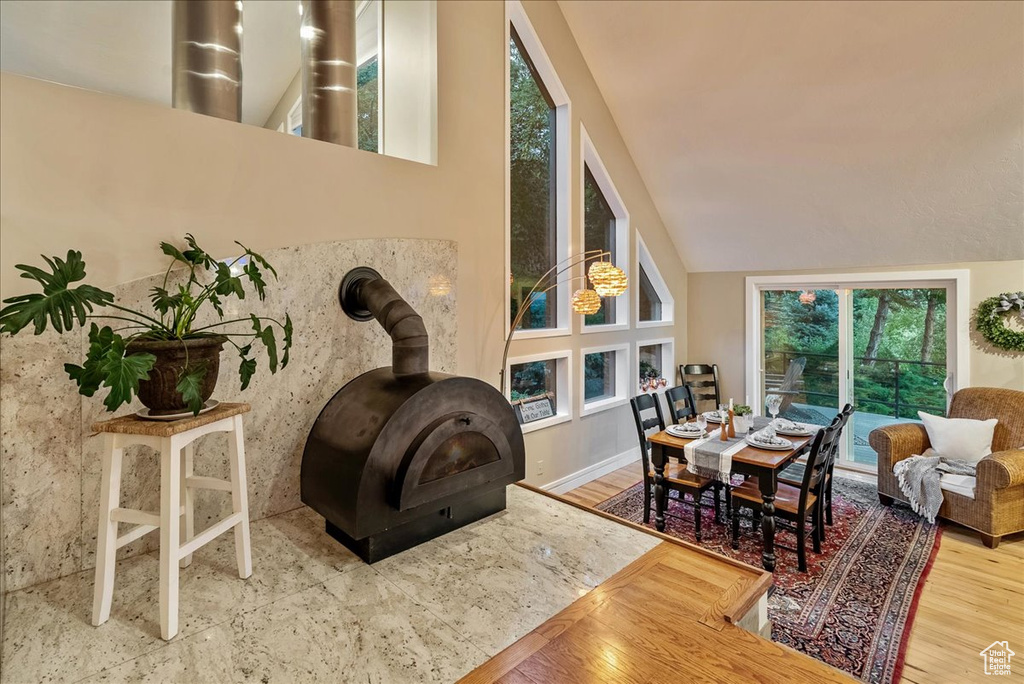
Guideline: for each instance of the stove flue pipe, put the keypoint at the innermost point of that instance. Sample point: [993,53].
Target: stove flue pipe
[365,294]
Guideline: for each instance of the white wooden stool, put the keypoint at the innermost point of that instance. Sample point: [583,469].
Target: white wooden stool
[177,541]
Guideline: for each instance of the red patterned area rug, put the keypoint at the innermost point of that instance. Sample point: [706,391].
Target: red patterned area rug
[854,607]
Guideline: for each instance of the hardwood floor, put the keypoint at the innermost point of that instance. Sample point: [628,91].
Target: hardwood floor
[972,597]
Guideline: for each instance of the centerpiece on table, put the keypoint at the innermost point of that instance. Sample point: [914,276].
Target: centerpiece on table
[165,359]
[744,417]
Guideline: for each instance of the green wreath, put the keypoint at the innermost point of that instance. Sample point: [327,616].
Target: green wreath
[990,321]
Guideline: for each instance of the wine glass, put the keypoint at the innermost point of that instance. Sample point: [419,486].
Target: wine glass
[774,403]
[702,422]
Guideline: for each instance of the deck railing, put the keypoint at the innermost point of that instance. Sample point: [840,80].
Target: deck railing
[777,361]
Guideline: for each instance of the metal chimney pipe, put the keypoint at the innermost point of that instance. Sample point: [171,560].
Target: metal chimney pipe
[364,295]
[207,57]
[329,104]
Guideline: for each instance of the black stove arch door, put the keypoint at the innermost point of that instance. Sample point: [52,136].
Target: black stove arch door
[456,452]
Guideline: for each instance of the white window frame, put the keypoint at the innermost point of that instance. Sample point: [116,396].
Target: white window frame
[668,358]
[515,15]
[590,159]
[958,322]
[563,387]
[668,304]
[622,367]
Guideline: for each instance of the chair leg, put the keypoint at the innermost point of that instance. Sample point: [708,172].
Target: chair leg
[885,499]
[240,499]
[696,514]
[819,530]
[647,503]
[718,504]
[187,525]
[828,505]
[170,519]
[801,545]
[106,537]
[735,527]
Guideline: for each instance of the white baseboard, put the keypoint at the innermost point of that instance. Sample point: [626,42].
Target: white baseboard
[592,472]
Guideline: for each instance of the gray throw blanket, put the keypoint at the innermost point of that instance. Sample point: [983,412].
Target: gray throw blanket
[919,480]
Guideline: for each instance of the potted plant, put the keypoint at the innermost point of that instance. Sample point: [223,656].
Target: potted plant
[163,357]
[744,417]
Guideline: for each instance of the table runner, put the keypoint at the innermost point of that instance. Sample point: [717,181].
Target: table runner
[711,457]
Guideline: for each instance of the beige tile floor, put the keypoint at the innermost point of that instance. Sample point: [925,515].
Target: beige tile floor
[313,611]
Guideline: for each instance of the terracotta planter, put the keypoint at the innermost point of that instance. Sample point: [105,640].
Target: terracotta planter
[159,393]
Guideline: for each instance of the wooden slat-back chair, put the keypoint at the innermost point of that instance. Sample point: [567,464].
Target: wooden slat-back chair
[681,406]
[788,386]
[795,505]
[702,379]
[676,475]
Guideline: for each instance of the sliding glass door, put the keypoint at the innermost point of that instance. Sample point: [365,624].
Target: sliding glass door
[889,348]
[801,354]
[899,364]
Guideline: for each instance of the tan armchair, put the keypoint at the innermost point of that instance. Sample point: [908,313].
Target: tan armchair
[997,508]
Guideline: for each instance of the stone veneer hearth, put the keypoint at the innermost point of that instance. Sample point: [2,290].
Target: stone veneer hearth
[51,466]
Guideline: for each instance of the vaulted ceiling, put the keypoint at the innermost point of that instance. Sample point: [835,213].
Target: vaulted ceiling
[784,135]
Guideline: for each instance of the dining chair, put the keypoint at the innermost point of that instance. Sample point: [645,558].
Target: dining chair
[793,474]
[676,476]
[702,379]
[796,508]
[680,403]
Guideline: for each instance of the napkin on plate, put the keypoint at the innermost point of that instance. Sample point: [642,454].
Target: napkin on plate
[767,436]
[788,425]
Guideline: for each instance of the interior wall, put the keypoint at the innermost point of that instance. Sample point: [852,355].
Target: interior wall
[718,314]
[569,448]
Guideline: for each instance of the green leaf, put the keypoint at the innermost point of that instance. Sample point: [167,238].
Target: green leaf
[59,303]
[256,278]
[89,376]
[266,336]
[196,254]
[246,369]
[227,284]
[215,300]
[123,373]
[190,384]
[258,258]
[163,301]
[287,340]
[173,252]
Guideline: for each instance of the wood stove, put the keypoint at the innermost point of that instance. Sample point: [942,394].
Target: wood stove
[401,455]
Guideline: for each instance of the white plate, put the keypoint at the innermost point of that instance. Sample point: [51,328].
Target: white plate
[794,433]
[771,447]
[678,431]
[712,417]
[208,406]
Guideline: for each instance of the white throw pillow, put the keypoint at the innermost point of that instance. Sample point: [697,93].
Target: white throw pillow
[960,438]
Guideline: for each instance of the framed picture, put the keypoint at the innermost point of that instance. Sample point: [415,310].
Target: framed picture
[535,408]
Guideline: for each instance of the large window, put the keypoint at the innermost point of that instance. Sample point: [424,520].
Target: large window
[654,303]
[890,344]
[599,232]
[536,376]
[532,187]
[655,369]
[604,378]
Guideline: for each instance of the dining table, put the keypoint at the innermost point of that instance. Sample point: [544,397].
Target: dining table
[763,464]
